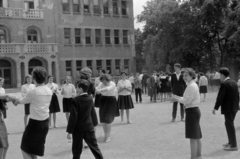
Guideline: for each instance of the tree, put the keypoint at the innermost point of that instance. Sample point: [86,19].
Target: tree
[140,62]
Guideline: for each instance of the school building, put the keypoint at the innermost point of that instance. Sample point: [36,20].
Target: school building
[64,36]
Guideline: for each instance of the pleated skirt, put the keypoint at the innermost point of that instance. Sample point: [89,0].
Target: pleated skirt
[67,103]
[54,105]
[192,123]
[34,137]
[108,110]
[27,109]
[97,101]
[203,89]
[125,102]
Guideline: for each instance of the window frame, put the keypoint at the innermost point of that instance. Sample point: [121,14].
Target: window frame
[126,66]
[115,8]
[118,37]
[99,67]
[4,35]
[78,67]
[107,37]
[117,66]
[32,36]
[91,64]
[90,37]
[109,66]
[106,7]
[125,37]
[67,36]
[124,9]
[1,3]
[27,3]
[97,8]
[68,68]
[78,6]
[88,10]
[98,37]
[66,5]
[77,36]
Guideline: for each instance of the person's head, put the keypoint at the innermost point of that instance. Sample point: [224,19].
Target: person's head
[28,79]
[188,74]
[124,75]
[105,79]
[224,73]
[68,79]
[101,71]
[154,73]
[177,67]
[85,73]
[82,86]
[50,78]
[137,74]
[201,74]
[1,81]
[39,75]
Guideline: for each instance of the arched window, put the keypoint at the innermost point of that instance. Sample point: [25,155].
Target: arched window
[32,36]
[3,36]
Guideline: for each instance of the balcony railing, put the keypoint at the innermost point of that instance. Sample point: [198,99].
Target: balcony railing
[28,48]
[21,13]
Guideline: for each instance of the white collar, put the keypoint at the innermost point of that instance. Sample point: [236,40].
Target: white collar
[227,78]
[83,94]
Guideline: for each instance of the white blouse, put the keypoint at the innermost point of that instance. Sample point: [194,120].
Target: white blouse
[68,90]
[107,90]
[97,81]
[26,88]
[53,87]
[203,81]
[124,83]
[39,99]
[191,96]
[2,91]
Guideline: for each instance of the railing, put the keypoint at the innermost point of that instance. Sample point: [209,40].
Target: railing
[28,48]
[21,13]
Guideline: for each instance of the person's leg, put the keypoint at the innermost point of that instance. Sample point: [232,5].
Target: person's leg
[25,120]
[104,130]
[90,139]
[199,148]
[27,155]
[50,120]
[67,115]
[174,112]
[229,123]
[136,95]
[55,120]
[204,97]
[155,94]
[128,116]
[182,112]
[140,95]
[193,146]
[108,128]
[122,115]
[77,145]
[151,94]
[2,153]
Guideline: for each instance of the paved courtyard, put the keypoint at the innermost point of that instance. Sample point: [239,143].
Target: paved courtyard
[152,136]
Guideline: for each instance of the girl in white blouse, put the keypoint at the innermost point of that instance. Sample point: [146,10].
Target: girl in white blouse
[68,92]
[28,86]
[54,106]
[191,101]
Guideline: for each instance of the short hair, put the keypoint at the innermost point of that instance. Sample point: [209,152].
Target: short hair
[224,71]
[124,73]
[201,73]
[103,71]
[26,77]
[190,71]
[178,65]
[105,77]
[84,84]
[49,76]
[39,74]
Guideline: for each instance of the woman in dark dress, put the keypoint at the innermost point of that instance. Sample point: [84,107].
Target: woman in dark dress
[164,87]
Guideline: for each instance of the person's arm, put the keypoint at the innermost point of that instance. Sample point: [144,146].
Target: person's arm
[111,87]
[23,91]
[73,117]
[74,92]
[129,88]
[27,99]
[220,97]
[62,90]
[119,88]
[188,97]
[94,115]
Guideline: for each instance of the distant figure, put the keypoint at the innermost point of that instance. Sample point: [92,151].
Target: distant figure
[144,83]
[131,79]
[153,87]
[203,83]
[138,88]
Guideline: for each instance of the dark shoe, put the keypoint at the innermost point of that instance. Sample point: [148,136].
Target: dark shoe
[230,149]
[226,145]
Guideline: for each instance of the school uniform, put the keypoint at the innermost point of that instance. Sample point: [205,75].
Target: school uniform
[97,96]
[68,92]
[138,89]
[3,102]
[124,96]
[25,89]
[34,136]
[144,83]
[153,88]
[203,83]
[81,127]
[91,92]
[3,129]
[54,105]
[109,109]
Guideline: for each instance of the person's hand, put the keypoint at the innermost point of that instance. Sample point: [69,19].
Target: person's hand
[16,102]
[6,107]
[171,99]
[11,98]
[214,111]
[69,136]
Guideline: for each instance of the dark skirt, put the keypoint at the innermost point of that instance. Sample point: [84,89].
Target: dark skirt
[3,134]
[97,101]
[34,137]
[27,109]
[192,123]
[203,89]
[67,103]
[108,110]
[54,105]
[125,102]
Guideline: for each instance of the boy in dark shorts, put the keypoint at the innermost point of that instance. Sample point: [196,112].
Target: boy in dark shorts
[80,124]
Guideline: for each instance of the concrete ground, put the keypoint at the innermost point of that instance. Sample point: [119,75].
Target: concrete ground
[152,136]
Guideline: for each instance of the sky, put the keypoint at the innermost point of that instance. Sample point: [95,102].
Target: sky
[137,4]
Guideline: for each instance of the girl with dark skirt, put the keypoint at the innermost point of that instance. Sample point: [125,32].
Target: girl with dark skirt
[191,100]
[108,110]
[164,87]
[68,92]
[98,96]
[203,83]
[28,86]
[54,105]
[34,136]
[124,97]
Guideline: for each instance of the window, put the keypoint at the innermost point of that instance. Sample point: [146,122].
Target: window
[32,36]
[67,36]
[79,66]
[116,37]
[77,36]
[1,5]
[98,36]
[69,68]
[105,6]
[109,66]
[115,7]
[29,4]
[89,64]
[3,37]
[99,64]
[86,6]
[117,67]
[88,36]
[96,7]
[125,36]
[124,7]
[126,65]
[107,36]
[76,6]
[65,6]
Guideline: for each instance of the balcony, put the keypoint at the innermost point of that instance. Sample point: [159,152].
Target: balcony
[21,13]
[44,48]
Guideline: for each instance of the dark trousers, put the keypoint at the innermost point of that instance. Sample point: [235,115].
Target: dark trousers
[174,112]
[144,88]
[153,94]
[138,92]
[133,87]
[90,139]
[229,124]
